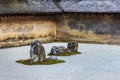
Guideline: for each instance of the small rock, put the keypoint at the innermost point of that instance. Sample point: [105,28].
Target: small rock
[52,58]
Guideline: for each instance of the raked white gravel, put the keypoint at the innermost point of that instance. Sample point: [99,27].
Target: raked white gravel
[97,62]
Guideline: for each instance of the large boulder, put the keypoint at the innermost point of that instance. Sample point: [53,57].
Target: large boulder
[37,51]
[72,46]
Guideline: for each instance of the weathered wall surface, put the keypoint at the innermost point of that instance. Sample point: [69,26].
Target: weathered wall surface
[103,28]
[90,27]
[17,28]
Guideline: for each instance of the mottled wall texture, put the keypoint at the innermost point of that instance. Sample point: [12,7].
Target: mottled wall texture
[69,26]
[90,27]
[14,28]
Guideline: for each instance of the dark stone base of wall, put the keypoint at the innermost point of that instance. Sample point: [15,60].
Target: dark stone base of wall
[18,44]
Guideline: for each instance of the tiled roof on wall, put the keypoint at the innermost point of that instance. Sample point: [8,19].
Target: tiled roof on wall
[34,6]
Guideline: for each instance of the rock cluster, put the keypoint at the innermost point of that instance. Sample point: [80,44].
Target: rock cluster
[58,50]
[71,47]
[38,51]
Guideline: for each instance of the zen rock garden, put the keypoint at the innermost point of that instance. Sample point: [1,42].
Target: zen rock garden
[38,55]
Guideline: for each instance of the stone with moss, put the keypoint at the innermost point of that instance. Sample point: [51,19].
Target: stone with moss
[65,54]
[45,62]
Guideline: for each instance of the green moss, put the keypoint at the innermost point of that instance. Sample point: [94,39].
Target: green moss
[66,54]
[45,62]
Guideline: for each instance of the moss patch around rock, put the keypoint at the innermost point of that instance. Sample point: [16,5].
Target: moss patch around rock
[66,54]
[45,62]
